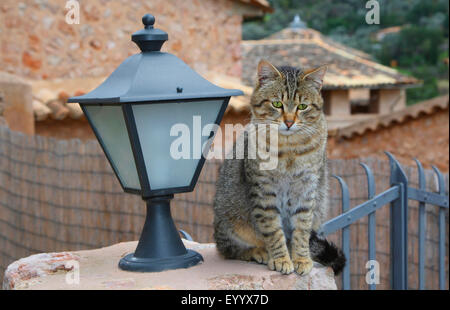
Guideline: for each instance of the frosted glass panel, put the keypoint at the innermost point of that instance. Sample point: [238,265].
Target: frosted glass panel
[154,123]
[110,125]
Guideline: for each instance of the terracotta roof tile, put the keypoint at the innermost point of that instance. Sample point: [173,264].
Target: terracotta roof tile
[308,33]
[50,96]
[347,68]
[237,103]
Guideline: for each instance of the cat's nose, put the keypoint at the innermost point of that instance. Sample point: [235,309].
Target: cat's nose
[289,123]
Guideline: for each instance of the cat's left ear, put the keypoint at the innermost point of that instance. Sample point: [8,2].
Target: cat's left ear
[267,72]
[315,76]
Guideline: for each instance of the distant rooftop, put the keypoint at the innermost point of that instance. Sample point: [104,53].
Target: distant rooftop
[308,48]
[297,23]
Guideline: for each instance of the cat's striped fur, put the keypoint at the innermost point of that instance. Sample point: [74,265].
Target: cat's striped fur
[269,215]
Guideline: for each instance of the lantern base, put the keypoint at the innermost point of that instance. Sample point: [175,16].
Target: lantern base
[160,246]
[132,263]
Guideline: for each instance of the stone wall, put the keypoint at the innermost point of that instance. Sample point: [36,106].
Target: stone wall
[36,42]
[98,271]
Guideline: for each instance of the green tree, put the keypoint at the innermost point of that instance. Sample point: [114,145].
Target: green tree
[419,48]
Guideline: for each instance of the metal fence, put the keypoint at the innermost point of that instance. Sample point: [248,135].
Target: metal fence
[398,196]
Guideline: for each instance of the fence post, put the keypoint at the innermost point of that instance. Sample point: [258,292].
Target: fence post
[345,233]
[399,227]
[441,190]
[371,221]
[422,226]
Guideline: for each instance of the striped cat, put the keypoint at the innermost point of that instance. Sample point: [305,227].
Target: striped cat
[271,216]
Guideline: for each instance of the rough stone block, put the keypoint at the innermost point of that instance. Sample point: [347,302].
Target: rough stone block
[98,270]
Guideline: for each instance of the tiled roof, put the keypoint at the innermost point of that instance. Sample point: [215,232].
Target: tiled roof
[308,33]
[50,97]
[237,103]
[307,48]
[377,122]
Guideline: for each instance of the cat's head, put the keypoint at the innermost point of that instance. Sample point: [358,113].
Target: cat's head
[288,97]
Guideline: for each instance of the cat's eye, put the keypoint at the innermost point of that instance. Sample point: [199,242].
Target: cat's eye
[277,104]
[302,106]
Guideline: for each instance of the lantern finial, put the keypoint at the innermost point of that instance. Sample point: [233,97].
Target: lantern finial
[148,20]
[149,39]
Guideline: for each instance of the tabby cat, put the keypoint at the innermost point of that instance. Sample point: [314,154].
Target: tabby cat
[271,216]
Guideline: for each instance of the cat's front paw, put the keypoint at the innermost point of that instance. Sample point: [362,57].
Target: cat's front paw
[260,256]
[303,265]
[281,264]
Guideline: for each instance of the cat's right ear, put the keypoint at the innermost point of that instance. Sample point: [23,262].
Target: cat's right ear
[267,72]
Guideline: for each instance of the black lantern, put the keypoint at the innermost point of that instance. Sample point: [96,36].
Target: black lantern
[132,113]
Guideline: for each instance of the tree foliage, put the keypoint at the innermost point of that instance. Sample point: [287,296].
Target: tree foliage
[419,49]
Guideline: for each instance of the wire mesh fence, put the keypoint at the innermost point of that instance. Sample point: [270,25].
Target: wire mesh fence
[58,195]
[399,197]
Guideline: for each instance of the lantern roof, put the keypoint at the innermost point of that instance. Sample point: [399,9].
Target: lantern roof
[153,75]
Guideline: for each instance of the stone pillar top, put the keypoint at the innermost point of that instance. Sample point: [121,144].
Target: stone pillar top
[97,269]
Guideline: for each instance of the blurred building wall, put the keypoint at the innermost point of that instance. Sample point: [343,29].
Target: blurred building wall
[36,42]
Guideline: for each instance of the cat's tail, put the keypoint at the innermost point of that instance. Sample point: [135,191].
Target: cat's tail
[326,253]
